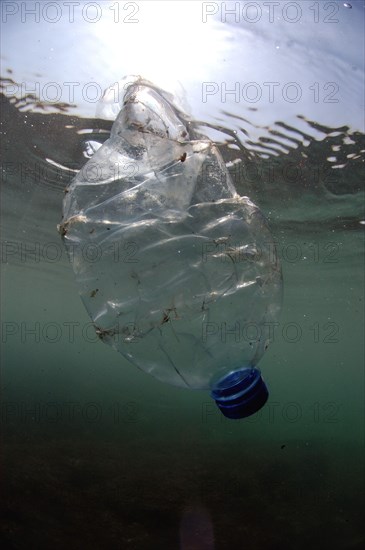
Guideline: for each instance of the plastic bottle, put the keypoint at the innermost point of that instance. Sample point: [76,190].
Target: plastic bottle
[177,271]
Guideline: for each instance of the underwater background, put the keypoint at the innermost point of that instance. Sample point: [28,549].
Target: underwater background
[97,454]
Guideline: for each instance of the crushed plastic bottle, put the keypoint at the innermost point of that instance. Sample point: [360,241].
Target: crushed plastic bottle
[177,271]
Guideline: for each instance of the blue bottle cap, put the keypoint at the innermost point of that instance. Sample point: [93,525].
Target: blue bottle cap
[240,393]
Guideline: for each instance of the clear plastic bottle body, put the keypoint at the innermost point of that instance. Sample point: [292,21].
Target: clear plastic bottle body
[185,281]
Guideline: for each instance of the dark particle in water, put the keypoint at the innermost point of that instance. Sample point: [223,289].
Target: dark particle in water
[166,316]
[203,306]
[63,229]
[165,319]
[135,277]
[282,446]
[103,333]
[93,293]
[183,157]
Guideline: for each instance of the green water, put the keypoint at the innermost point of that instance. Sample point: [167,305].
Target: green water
[105,456]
